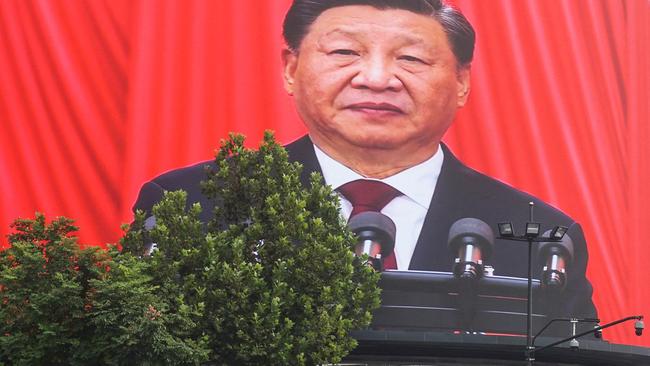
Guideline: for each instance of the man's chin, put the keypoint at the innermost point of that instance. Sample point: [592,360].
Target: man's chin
[379,143]
[351,141]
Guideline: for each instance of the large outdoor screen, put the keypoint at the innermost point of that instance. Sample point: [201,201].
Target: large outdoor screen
[98,98]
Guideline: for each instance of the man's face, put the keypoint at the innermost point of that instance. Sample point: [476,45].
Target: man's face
[376,79]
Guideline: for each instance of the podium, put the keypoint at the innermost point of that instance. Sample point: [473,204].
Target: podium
[427,300]
[432,318]
[394,347]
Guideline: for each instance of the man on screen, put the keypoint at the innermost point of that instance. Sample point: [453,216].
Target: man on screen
[378,83]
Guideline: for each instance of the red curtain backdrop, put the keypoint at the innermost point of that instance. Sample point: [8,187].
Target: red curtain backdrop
[97,97]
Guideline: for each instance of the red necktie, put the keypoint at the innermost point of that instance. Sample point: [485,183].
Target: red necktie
[370,195]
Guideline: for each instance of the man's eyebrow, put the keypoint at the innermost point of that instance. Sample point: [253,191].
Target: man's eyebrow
[408,39]
[341,31]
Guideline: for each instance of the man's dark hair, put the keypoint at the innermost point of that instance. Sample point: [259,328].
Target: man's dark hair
[459,31]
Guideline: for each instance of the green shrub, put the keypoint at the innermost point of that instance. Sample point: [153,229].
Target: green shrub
[46,292]
[270,280]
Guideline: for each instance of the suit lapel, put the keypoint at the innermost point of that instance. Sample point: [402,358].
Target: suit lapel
[302,151]
[450,197]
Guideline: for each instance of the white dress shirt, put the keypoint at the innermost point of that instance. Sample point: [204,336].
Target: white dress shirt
[408,211]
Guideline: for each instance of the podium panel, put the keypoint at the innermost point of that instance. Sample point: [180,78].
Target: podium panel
[432,318]
[433,348]
[427,301]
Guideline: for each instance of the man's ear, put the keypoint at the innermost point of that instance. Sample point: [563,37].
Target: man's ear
[464,85]
[289,63]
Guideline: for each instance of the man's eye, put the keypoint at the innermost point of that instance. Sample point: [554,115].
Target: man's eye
[411,59]
[344,52]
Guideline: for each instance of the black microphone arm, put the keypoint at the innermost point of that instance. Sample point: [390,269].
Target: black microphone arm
[471,241]
[376,233]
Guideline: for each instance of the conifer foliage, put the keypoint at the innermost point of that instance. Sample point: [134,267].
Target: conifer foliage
[271,279]
[46,293]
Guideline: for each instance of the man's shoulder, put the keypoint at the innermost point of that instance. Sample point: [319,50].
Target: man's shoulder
[187,179]
[180,178]
[192,175]
[503,197]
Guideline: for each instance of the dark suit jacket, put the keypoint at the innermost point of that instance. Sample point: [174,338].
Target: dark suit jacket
[460,192]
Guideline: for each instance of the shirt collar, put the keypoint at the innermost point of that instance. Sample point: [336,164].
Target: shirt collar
[417,182]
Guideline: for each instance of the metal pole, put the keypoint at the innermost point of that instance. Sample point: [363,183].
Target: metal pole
[529,314]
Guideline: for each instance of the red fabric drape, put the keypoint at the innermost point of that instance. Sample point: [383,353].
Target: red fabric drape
[98,96]
[557,105]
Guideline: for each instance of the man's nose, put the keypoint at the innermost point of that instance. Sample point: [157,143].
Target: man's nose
[377,74]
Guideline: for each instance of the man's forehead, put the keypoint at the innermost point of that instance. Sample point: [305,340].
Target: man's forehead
[367,22]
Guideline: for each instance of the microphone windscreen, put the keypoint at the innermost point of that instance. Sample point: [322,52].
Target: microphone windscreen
[149,223]
[378,224]
[473,228]
[564,247]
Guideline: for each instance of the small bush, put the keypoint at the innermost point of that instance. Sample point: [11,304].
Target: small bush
[270,280]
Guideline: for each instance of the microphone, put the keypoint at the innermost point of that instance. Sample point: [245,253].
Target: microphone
[376,233]
[470,240]
[149,245]
[557,257]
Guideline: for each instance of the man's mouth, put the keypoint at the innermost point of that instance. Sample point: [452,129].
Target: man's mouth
[378,107]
